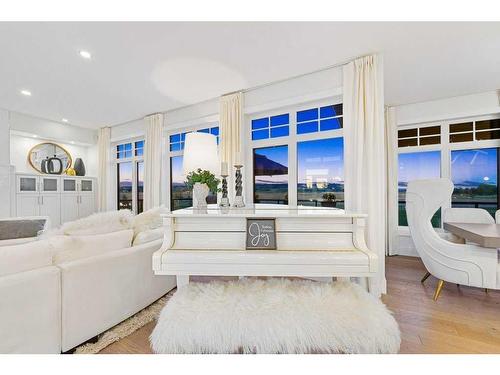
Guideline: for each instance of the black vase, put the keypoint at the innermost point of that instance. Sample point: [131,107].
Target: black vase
[43,166]
[79,167]
[54,165]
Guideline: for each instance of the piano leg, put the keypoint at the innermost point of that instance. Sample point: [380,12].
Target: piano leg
[182,280]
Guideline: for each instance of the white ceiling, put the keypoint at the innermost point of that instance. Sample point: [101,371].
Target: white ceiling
[141,68]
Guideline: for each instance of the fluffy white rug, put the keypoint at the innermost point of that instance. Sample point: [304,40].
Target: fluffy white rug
[275,316]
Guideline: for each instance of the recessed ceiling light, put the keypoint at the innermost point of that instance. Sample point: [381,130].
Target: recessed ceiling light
[64,120]
[85,54]
[35,136]
[72,142]
[26,92]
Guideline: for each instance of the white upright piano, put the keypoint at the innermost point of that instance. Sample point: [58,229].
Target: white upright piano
[310,242]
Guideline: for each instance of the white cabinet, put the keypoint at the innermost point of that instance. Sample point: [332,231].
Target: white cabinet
[61,198]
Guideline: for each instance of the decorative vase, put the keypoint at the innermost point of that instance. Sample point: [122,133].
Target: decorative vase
[79,167]
[43,165]
[200,194]
[70,172]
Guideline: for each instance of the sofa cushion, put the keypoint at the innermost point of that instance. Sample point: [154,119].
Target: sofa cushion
[99,223]
[148,236]
[24,257]
[149,219]
[70,248]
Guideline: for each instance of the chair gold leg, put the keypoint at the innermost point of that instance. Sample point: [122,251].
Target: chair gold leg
[425,277]
[438,289]
[486,290]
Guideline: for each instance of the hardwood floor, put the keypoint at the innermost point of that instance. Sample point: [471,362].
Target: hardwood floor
[463,320]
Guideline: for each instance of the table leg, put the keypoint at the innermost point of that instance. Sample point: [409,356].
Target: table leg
[182,280]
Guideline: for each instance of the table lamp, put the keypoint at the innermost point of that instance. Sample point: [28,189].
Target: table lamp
[200,153]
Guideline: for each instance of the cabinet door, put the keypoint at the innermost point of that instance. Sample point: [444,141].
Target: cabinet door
[50,205]
[69,207]
[27,184]
[87,186]
[69,185]
[49,184]
[87,205]
[27,205]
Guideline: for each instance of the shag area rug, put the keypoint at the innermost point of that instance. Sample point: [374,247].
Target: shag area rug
[127,327]
[275,316]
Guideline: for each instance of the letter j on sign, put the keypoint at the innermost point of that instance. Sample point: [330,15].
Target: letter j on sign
[261,234]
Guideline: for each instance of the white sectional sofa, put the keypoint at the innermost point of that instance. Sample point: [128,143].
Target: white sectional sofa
[51,304]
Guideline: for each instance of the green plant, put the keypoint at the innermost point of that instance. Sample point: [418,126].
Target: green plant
[330,197]
[203,177]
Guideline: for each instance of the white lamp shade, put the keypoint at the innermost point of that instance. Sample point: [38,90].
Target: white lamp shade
[200,152]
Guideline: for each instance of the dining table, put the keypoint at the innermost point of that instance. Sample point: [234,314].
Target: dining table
[485,235]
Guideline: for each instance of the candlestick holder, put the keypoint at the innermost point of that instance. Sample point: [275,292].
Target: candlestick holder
[238,199]
[224,201]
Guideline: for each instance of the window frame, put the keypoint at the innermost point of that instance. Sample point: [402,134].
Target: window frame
[135,160]
[208,123]
[291,141]
[445,147]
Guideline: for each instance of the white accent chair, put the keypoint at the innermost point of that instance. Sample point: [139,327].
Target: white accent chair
[464,264]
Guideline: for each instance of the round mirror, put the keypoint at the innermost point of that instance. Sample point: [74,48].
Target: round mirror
[49,158]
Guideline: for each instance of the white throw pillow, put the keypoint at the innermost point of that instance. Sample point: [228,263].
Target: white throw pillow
[148,236]
[149,219]
[24,257]
[102,222]
[70,248]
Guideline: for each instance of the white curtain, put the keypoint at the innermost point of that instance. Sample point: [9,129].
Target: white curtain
[231,119]
[103,145]
[392,179]
[364,152]
[152,160]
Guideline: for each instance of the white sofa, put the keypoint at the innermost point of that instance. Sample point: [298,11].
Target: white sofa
[46,308]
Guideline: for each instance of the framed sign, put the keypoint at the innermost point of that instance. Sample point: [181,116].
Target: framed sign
[261,234]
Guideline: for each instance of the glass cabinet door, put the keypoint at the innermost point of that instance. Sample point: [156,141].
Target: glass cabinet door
[27,184]
[69,185]
[87,185]
[50,184]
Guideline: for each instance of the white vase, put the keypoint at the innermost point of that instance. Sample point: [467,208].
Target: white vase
[200,194]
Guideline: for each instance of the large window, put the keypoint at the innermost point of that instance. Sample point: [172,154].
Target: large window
[270,168]
[465,151]
[130,175]
[298,156]
[124,177]
[416,166]
[474,174]
[180,195]
[320,172]
[140,186]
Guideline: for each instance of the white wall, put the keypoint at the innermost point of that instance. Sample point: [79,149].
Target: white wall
[486,103]
[20,146]
[5,193]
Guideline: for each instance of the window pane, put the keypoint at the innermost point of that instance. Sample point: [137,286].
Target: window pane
[260,123]
[175,138]
[214,131]
[207,130]
[320,173]
[430,140]
[407,133]
[430,130]
[124,177]
[416,166]
[474,174]
[331,124]
[140,186]
[462,127]
[488,124]
[307,115]
[464,137]
[128,146]
[175,147]
[139,148]
[180,195]
[307,127]
[407,142]
[260,134]
[488,134]
[281,131]
[280,120]
[270,170]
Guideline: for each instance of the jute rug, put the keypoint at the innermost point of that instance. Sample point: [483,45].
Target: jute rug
[127,327]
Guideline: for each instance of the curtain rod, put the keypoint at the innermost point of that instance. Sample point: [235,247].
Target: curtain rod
[337,65]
